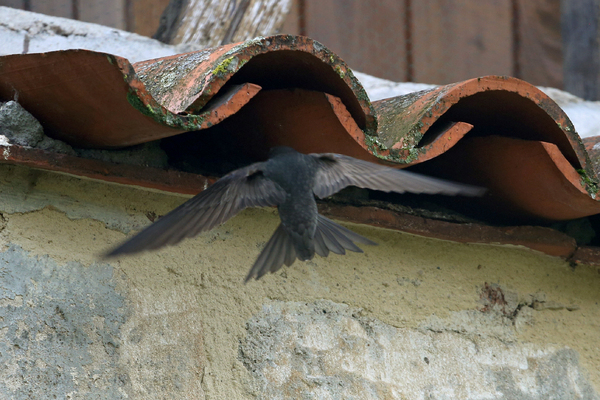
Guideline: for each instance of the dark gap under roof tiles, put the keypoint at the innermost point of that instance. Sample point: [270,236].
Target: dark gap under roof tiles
[498,132]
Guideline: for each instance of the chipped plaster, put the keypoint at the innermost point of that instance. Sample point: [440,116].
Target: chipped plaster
[186,311]
[349,355]
[60,328]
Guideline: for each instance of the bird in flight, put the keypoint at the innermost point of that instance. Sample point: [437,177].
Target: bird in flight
[289,180]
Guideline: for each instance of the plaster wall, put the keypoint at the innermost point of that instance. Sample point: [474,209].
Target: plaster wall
[412,318]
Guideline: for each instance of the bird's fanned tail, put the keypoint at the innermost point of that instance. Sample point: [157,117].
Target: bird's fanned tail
[278,250]
[329,236]
[333,237]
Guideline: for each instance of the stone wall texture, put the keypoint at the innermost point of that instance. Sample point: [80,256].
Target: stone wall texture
[412,318]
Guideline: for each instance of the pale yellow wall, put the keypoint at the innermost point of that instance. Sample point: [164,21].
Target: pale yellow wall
[188,308]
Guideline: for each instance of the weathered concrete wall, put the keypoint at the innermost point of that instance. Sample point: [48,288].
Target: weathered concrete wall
[412,318]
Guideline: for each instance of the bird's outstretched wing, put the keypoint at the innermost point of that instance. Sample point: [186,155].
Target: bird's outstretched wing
[337,171]
[244,187]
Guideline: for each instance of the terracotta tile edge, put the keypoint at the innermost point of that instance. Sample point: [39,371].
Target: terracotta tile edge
[426,107]
[545,240]
[146,177]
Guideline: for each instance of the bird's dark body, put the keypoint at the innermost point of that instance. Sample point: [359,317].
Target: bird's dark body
[290,181]
[295,173]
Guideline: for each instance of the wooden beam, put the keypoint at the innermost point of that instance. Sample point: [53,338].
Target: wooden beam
[454,40]
[215,22]
[57,8]
[369,36]
[20,4]
[291,25]
[108,12]
[539,53]
[580,25]
[144,15]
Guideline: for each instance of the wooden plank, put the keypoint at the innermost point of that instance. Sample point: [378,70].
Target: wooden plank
[215,22]
[368,35]
[145,15]
[57,8]
[539,48]
[291,24]
[454,40]
[262,18]
[105,12]
[20,4]
[580,25]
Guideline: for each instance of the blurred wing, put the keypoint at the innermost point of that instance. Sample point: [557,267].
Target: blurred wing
[337,171]
[245,187]
[279,250]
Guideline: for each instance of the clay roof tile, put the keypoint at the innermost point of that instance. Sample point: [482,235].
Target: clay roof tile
[498,132]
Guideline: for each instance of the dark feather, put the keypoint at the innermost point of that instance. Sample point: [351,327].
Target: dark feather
[245,187]
[279,249]
[330,240]
[353,236]
[337,238]
[341,238]
[338,171]
[320,246]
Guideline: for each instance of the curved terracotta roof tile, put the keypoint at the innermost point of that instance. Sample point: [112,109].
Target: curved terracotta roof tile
[593,149]
[414,125]
[498,132]
[99,100]
[525,178]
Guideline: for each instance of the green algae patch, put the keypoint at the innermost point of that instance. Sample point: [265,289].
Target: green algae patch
[138,104]
[589,184]
[340,71]
[188,122]
[227,66]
